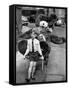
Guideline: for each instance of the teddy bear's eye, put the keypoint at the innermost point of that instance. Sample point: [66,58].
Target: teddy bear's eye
[43,23]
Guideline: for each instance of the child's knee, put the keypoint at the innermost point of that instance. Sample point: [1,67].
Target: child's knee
[34,64]
[30,69]
[31,64]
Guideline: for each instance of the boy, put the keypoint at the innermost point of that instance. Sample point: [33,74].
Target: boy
[33,50]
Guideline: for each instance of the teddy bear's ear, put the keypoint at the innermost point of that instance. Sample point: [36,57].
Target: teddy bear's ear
[22,46]
[43,23]
[45,47]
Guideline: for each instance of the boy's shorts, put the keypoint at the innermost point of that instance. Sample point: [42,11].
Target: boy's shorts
[34,56]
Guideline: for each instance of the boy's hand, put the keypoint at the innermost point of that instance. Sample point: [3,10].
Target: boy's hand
[24,56]
[42,57]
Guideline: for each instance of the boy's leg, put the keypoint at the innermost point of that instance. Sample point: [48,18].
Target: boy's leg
[33,69]
[36,58]
[30,69]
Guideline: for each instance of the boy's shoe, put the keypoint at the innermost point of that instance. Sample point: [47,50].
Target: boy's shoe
[27,80]
[32,78]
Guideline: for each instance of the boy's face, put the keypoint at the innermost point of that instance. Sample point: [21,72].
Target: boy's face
[33,35]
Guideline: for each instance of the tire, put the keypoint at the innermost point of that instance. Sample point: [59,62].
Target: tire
[57,40]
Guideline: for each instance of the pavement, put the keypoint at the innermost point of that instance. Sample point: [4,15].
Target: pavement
[56,68]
